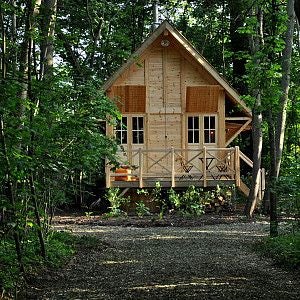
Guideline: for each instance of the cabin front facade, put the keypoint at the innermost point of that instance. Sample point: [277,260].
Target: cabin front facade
[179,117]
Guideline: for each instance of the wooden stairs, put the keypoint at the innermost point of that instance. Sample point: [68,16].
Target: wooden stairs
[244,188]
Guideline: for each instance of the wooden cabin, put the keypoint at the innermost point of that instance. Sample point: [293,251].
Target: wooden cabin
[179,118]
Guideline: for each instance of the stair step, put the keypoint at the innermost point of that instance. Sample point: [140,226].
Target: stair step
[244,189]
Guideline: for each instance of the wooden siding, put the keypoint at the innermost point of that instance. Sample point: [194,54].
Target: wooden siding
[172,81]
[134,75]
[155,81]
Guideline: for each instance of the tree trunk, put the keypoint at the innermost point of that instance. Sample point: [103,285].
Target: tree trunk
[257,41]
[37,216]
[48,13]
[285,85]
[3,46]
[239,42]
[297,9]
[272,176]
[10,196]
[277,150]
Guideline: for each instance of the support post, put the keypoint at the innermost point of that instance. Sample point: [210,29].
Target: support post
[141,168]
[237,166]
[172,167]
[262,183]
[204,167]
[107,174]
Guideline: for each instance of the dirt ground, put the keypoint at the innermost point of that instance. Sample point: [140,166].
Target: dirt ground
[210,257]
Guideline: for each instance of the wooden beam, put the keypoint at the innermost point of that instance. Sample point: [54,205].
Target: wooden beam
[237,118]
[107,174]
[204,167]
[246,159]
[237,167]
[172,168]
[141,168]
[238,132]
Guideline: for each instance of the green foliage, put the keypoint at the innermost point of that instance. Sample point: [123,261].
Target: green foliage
[189,202]
[196,201]
[116,201]
[285,249]
[155,196]
[287,189]
[60,247]
[142,209]
[89,242]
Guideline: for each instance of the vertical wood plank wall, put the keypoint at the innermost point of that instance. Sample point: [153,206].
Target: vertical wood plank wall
[167,72]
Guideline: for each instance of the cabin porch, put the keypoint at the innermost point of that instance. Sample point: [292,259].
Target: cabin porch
[206,167]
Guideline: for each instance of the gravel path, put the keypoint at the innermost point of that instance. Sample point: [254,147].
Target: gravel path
[204,262]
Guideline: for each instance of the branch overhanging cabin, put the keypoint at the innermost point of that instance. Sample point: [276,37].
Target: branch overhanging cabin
[179,116]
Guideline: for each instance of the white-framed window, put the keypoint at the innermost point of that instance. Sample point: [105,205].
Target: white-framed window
[137,130]
[121,131]
[209,129]
[193,130]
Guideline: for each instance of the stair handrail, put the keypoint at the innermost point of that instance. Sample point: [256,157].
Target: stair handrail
[246,159]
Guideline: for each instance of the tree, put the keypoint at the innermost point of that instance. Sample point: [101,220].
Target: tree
[256,87]
[281,117]
[297,9]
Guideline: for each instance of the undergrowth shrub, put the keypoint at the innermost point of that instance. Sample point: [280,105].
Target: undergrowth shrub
[60,246]
[142,209]
[187,203]
[116,201]
[196,201]
[155,195]
[284,249]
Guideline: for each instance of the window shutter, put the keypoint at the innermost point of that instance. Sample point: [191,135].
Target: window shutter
[129,98]
[135,99]
[202,99]
[118,94]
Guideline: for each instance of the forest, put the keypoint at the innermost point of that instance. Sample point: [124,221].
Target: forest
[54,58]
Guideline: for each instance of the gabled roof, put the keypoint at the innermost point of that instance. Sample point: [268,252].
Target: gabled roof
[229,90]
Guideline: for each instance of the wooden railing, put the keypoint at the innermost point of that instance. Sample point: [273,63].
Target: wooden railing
[177,167]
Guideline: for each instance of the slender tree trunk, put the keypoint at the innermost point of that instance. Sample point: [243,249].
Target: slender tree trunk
[48,13]
[10,195]
[272,177]
[37,216]
[256,125]
[297,9]
[285,85]
[239,42]
[3,46]
[277,150]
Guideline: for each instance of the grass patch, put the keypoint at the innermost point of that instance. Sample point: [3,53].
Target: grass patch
[284,249]
[60,247]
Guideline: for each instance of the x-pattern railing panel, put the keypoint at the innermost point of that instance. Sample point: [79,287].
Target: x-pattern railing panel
[201,164]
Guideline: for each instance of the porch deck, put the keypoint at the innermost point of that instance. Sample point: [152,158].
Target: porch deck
[206,167]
